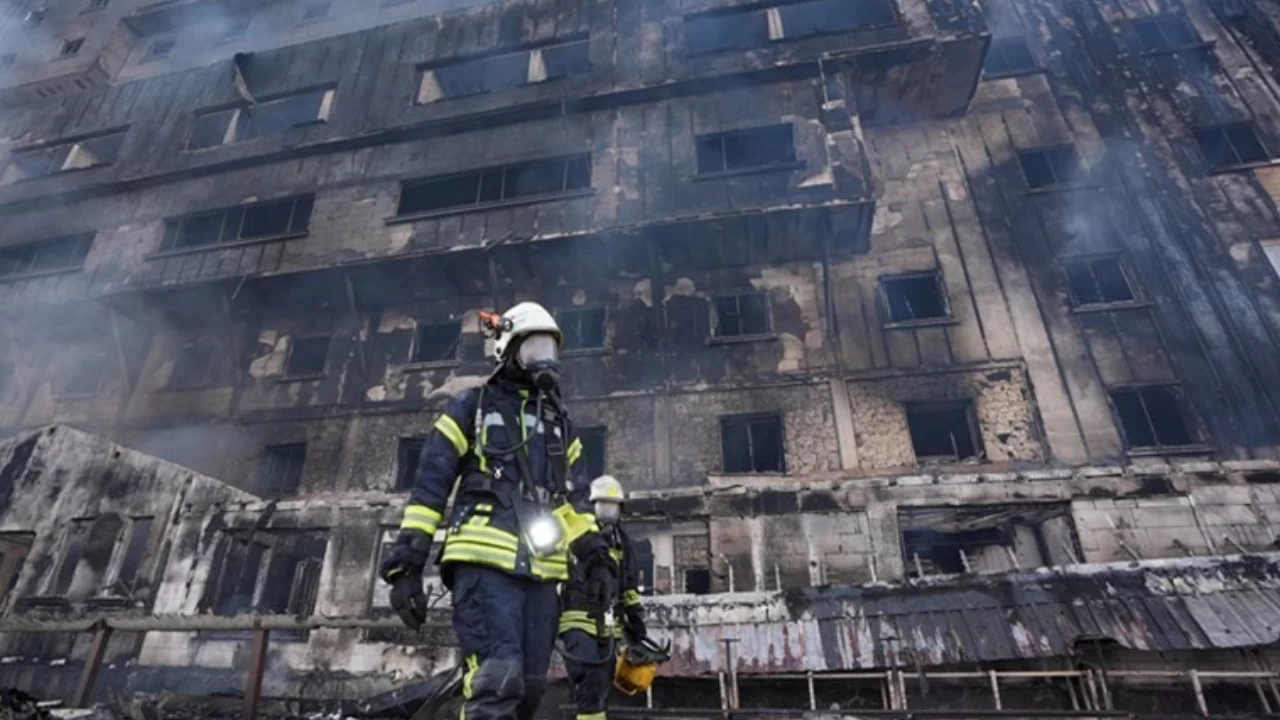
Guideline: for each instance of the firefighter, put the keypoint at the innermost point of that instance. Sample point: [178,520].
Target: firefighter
[510,449]
[588,630]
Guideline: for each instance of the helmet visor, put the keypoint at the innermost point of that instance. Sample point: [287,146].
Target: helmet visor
[539,348]
[607,512]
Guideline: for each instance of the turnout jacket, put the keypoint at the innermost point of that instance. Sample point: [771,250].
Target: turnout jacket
[474,446]
[576,612]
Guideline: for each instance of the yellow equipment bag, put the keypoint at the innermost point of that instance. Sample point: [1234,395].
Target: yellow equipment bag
[638,665]
[633,679]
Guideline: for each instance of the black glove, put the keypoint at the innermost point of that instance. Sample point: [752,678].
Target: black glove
[402,569]
[633,624]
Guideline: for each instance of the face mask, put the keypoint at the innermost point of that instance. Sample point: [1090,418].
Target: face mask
[608,512]
[540,357]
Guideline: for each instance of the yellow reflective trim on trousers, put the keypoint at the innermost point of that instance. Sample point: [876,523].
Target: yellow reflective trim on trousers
[575,450]
[473,666]
[449,428]
[591,716]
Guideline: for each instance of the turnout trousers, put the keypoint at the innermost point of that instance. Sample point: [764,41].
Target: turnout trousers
[591,683]
[507,628]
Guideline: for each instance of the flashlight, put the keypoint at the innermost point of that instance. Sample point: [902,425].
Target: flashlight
[543,535]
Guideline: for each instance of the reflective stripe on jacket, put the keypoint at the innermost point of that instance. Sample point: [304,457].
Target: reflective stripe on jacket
[483,527]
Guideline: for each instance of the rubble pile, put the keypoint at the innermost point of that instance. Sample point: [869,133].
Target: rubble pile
[17,705]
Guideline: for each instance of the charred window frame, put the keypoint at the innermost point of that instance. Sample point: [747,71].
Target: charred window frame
[595,446]
[14,548]
[914,299]
[583,328]
[257,222]
[91,544]
[1099,282]
[69,557]
[744,28]
[273,116]
[1153,417]
[1161,33]
[531,181]
[198,362]
[308,357]
[560,58]
[126,580]
[946,431]
[280,472]
[1009,56]
[83,153]
[1229,146]
[56,255]
[436,343]
[408,457]
[1050,167]
[750,149]
[159,49]
[752,444]
[271,573]
[742,316]
[987,538]
[70,47]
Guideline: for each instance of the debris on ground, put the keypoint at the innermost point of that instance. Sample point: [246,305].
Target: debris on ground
[17,705]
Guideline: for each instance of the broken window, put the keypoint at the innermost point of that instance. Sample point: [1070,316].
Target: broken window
[126,582]
[280,473]
[408,454]
[743,149]
[988,538]
[500,72]
[828,16]
[1008,56]
[87,374]
[697,581]
[1152,417]
[691,561]
[197,363]
[89,152]
[271,117]
[509,182]
[274,573]
[70,47]
[159,49]
[947,431]
[726,31]
[1098,281]
[1226,146]
[1161,32]
[594,444]
[752,444]
[55,255]
[307,356]
[14,548]
[437,342]
[915,297]
[315,11]
[1049,167]
[274,219]
[741,315]
[582,327]
[88,551]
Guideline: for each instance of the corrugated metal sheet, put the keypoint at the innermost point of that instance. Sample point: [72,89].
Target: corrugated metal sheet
[1198,603]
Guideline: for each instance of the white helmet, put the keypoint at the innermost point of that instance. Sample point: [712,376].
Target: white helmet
[606,488]
[524,319]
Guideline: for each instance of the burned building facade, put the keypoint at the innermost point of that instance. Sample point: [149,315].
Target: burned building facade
[865,301]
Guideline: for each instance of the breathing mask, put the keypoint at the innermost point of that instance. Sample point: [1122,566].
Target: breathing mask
[539,355]
[607,513]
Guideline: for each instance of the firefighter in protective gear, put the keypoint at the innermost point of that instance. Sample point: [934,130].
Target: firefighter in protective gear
[510,448]
[589,631]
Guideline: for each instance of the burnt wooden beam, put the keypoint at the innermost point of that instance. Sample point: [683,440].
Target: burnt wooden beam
[257,668]
[89,676]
